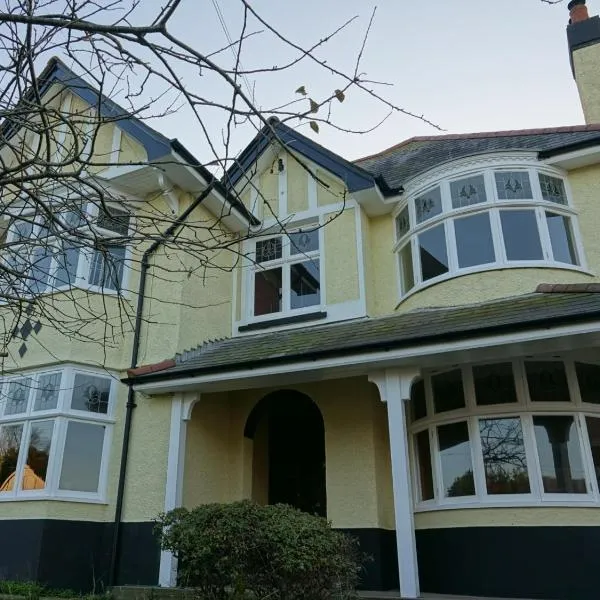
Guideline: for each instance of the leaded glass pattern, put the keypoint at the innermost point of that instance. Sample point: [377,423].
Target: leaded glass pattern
[468,191]
[428,205]
[513,185]
[553,189]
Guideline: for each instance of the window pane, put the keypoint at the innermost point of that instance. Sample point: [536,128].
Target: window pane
[67,260]
[39,272]
[10,442]
[407,272]
[448,392]
[417,400]
[17,396]
[504,456]
[90,393]
[268,249]
[305,284]
[428,205]
[494,384]
[547,381]
[46,395]
[593,428]
[468,191]
[114,220]
[561,238]
[560,455]
[402,223]
[521,235]
[474,242]
[106,270]
[82,457]
[455,455]
[513,185]
[432,248]
[40,440]
[588,377]
[267,291]
[23,230]
[425,472]
[302,242]
[553,189]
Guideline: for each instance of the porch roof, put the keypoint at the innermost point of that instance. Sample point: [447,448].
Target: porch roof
[423,326]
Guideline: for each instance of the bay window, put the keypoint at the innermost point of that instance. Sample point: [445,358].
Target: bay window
[498,218]
[286,274]
[521,432]
[54,434]
[86,249]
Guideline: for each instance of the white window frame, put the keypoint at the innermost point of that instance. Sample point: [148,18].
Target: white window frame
[492,206]
[524,409]
[90,212]
[284,263]
[62,415]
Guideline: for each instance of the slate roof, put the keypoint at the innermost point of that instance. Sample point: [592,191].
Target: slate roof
[400,163]
[376,334]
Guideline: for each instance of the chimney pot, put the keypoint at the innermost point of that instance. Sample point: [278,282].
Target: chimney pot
[578,11]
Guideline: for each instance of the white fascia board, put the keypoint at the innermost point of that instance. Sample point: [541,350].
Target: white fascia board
[566,338]
[576,159]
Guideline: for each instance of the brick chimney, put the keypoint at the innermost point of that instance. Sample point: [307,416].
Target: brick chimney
[583,34]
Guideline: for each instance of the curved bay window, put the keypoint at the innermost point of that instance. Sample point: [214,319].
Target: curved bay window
[520,432]
[496,218]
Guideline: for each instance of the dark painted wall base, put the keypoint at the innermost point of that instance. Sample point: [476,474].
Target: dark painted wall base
[76,554]
[514,562]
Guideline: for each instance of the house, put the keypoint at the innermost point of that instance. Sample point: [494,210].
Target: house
[410,348]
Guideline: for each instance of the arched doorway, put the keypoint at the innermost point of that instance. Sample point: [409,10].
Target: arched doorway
[289,451]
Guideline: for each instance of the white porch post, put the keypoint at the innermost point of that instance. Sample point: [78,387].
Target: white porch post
[394,388]
[181,412]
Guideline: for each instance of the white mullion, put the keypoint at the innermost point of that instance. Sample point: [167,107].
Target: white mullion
[587,457]
[22,460]
[282,186]
[534,468]
[286,291]
[61,440]
[437,460]
[435,472]
[451,249]
[52,458]
[546,242]
[477,458]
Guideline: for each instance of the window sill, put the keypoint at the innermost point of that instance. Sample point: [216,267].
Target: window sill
[278,322]
[50,498]
[569,502]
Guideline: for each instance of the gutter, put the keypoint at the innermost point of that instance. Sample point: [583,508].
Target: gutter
[145,265]
[544,154]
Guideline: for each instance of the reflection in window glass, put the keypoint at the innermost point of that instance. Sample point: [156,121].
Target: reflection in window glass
[90,393]
[433,253]
[46,395]
[513,185]
[455,456]
[561,238]
[267,291]
[553,189]
[10,442]
[38,453]
[114,220]
[417,400]
[424,459]
[593,428]
[494,384]
[305,284]
[406,268]
[106,270]
[588,377]
[428,205]
[521,235]
[39,270]
[468,191]
[559,454]
[268,250]
[547,381]
[504,456]
[474,242]
[17,396]
[302,242]
[402,223]
[448,391]
[82,457]
[67,261]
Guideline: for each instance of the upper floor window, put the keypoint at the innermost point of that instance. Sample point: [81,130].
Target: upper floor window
[84,249]
[492,219]
[286,274]
[54,432]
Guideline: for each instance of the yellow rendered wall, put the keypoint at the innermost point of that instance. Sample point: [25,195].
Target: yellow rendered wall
[341,258]
[329,189]
[586,62]
[268,186]
[218,457]
[297,185]
[382,276]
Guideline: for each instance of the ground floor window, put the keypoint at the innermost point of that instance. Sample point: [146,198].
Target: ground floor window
[54,433]
[519,431]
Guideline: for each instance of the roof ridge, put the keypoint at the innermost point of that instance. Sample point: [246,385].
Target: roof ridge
[484,134]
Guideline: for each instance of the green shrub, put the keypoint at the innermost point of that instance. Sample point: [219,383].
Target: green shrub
[244,550]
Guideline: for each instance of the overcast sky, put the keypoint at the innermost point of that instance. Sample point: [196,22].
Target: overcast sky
[467,65]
